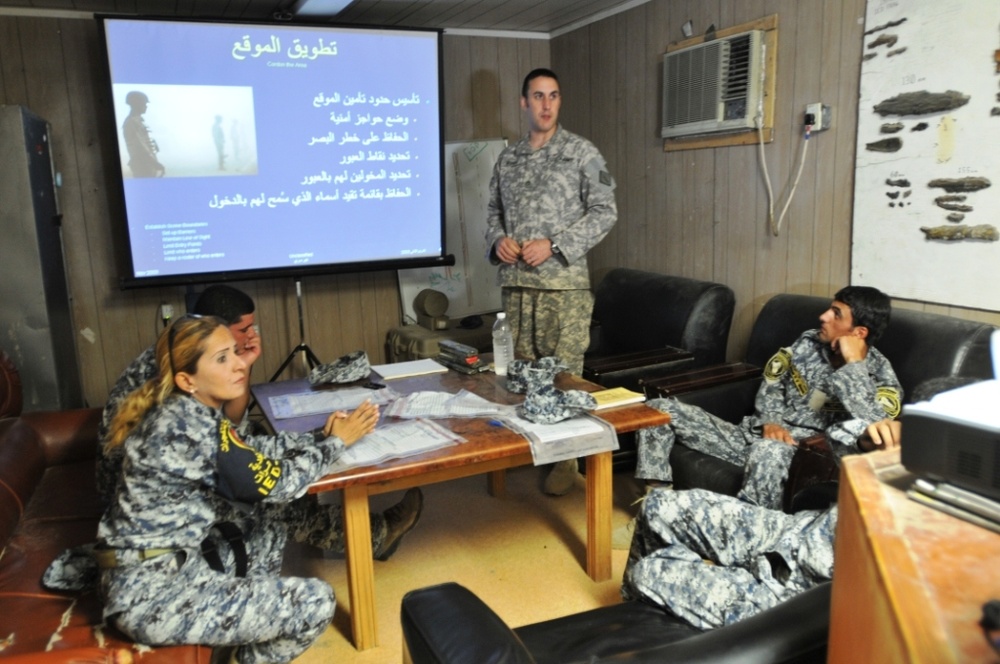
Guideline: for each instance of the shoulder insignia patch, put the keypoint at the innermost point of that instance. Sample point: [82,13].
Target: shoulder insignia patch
[888,398]
[605,178]
[244,474]
[778,365]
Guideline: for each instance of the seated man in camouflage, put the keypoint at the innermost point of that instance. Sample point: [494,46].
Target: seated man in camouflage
[831,381]
[760,557]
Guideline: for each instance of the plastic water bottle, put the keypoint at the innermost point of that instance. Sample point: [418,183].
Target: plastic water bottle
[503,344]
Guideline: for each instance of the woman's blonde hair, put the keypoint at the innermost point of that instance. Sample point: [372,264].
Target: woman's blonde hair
[178,348]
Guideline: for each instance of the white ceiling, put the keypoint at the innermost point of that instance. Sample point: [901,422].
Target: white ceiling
[543,17]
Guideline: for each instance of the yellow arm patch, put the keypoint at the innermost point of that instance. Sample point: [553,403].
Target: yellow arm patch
[888,398]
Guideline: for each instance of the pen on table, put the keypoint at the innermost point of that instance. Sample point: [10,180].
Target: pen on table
[495,423]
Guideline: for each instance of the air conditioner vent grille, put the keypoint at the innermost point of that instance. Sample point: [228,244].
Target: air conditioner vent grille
[714,86]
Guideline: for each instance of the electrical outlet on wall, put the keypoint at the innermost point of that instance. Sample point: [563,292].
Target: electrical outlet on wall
[821,114]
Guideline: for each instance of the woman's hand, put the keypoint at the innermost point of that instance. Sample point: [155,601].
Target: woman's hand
[352,427]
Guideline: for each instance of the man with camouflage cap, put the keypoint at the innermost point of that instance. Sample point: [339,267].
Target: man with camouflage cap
[551,200]
[830,381]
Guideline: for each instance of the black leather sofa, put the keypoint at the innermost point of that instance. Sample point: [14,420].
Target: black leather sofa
[919,345]
[448,624]
[638,314]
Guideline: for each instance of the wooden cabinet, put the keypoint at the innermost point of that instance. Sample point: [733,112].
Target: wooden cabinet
[909,581]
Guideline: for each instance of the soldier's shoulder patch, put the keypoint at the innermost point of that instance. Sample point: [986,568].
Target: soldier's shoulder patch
[888,398]
[605,178]
[244,474]
[778,365]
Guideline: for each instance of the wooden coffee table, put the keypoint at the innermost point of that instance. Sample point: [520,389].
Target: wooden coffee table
[490,449]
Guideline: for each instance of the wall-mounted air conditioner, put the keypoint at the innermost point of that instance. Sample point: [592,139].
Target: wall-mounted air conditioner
[713,87]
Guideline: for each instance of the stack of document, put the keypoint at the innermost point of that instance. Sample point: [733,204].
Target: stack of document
[572,438]
[442,405]
[395,441]
[285,406]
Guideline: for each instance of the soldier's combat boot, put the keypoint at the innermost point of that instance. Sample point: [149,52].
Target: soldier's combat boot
[399,520]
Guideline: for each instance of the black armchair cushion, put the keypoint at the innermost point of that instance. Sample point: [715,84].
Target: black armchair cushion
[448,624]
[640,310]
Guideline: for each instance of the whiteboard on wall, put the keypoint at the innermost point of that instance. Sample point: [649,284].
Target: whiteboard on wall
[470,284]
[909,164]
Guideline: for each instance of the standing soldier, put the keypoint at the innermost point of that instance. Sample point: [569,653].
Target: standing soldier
[551,200]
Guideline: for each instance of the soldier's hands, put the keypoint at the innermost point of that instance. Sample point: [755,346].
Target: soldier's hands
[536,252]
[352,427]
[508,250]
[777,432]
[882,435]
[851,348]
[251,350]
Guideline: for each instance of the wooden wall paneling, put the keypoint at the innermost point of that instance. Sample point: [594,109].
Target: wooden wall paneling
[12,83]
[845,119]
[541,56]
[646,236]
[604,110]
[509,75]
[742,214]
[387,311]
[824,250]
[801,219]
[771,276]
[458,119]
[699,168]
[636,132]
[484,52]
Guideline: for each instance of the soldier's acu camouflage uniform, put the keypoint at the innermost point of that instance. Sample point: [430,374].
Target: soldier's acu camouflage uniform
[308,521]
[803,393]
[185,471]
[563,192]
[762,557]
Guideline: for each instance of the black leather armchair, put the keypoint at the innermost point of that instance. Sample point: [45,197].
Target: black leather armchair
[637,315]
[448,624]
[919,345]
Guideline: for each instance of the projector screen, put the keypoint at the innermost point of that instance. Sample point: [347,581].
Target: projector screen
[253,150]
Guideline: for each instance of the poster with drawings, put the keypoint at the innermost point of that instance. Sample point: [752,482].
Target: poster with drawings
[470,284]
[927,178]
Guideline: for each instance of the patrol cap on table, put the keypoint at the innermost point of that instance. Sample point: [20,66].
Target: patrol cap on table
[526,376]
[346,369]
[549,404]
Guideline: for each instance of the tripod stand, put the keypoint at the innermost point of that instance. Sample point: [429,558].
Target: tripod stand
[309,358]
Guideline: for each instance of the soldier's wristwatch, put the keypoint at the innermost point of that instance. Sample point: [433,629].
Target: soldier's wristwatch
[555,248]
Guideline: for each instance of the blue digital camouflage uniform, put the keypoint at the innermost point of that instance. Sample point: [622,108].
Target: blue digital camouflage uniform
[564,192]
[308,521]
[186,470]
[802,392]
[761,557]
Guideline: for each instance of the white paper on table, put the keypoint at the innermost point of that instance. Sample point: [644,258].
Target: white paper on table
[395,441]
[409,368]
[442,405]
[285,406]
[575,437]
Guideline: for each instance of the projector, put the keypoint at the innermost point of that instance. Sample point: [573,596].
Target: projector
[955,437]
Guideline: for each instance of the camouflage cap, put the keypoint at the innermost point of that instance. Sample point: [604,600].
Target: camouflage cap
[346,369]
[549,404]
[526,376]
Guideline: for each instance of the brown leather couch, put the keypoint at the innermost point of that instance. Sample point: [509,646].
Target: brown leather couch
[48,502]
